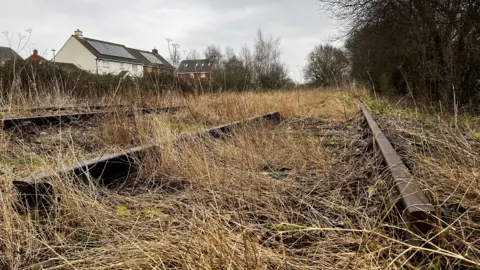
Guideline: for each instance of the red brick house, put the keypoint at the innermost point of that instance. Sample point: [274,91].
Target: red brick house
[36,58]
[196,69]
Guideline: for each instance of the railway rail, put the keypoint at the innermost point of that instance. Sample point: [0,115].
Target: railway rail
[66,108]
[9,123]
[416,209]
[119,166]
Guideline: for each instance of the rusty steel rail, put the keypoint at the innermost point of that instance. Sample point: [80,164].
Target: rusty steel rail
[416,207]
[10,123]
[107,169]
[65,108]
[72,107]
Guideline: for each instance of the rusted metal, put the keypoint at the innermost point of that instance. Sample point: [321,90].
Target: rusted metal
[95,107]
[105,170]
[65,108]
[218,131]
[416,207]
[161,109]
[10,123]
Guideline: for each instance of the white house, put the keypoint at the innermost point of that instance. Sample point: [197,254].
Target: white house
[103,57]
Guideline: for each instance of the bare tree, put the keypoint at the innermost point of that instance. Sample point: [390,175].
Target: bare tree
[261,68]
[269,72]
[428,49]
[229,52]
[326,66]
[174,52]
[213,52]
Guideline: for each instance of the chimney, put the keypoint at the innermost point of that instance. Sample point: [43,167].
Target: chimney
[78,33]
[35,52]
[155,51]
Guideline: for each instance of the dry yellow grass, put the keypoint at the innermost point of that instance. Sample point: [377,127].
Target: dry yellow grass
[444,158]
[306,194]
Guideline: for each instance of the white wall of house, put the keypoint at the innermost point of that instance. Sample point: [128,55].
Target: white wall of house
[74,52]
[113,67]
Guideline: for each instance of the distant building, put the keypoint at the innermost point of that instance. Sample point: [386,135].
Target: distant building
[152,61]
[7,53]
[102,57]
[36,58]
[195,69]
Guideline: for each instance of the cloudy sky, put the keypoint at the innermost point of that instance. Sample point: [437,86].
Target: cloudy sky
[193,24]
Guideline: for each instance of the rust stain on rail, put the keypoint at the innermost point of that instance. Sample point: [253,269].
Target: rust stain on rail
[417,207]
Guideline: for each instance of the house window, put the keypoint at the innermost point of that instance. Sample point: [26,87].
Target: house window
[203,75]
[192,75]
[106,64]
[122,65]
[134,67]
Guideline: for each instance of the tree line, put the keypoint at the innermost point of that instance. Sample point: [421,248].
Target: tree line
[257,68]
[423,49]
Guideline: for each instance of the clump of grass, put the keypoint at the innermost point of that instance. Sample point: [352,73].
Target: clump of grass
[226,107]
[116,130]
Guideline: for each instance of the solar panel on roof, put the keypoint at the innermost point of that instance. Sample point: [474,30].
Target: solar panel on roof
[110,49]
[152,58]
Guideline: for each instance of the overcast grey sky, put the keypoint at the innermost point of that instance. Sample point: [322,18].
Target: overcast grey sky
[145,24]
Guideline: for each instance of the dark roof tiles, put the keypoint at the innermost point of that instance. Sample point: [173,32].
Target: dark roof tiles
[196,66]
[89,47]
[7,53]
[159,61]
[138,55]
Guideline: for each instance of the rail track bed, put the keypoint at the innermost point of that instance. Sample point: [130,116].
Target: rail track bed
[45,110]
[64,117]
[29,147]
[326,180]
[309,189]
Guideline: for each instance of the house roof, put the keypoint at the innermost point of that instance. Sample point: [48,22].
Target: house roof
[89,43]
[195,66]
[36,57]
[150,58]
[7,53]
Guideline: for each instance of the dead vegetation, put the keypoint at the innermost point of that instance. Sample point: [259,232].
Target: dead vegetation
[306,194]
[443,157]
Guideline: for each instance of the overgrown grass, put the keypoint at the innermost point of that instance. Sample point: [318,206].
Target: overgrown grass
[306,194]
[442,151]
